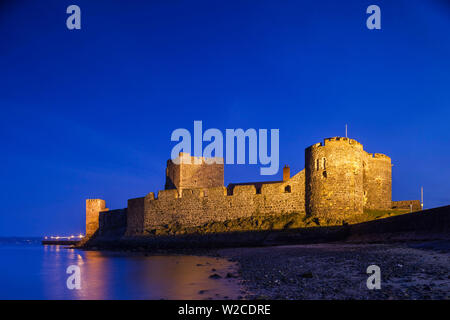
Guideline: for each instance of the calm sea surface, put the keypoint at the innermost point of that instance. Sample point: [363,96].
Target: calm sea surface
[32,271]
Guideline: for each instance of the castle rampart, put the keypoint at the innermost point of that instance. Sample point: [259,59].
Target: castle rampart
[199,206]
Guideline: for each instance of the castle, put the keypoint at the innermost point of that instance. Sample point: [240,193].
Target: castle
[339,181]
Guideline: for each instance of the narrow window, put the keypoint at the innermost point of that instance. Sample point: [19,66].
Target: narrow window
[324,163]
[287,189]
[317,164]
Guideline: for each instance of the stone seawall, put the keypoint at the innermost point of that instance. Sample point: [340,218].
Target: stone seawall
[432,224]
[428,224]
[113,223]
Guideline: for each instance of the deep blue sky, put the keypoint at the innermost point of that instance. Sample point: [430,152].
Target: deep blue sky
[89,113]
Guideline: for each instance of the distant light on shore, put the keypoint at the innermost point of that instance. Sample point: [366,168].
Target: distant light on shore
[80,236]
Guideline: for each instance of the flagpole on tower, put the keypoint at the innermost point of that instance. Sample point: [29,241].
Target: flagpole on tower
[346,131]
[421,197]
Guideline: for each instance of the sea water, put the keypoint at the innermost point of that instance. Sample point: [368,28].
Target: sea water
[29,270]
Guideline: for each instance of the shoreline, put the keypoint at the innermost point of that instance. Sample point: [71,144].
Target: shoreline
[337,271]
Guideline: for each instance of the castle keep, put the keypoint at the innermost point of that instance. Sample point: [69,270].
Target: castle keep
[339,181]
[194,172]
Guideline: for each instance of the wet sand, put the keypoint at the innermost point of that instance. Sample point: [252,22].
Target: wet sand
[338,270]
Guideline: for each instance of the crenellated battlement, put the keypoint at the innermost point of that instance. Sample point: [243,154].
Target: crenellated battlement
[215,192]
[150,196]
[381,156]
[187,158]
[336,141]
[237,191]
[167,194]
[193,193]
[243,191]
[316,145]
[95,200]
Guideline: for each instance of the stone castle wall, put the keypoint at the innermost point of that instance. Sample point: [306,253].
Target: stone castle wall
[202,205]
[112,222]
[194,172]
[377,181]
[135,216]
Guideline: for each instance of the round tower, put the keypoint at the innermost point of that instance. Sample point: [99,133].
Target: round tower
[334,187]
[377,181]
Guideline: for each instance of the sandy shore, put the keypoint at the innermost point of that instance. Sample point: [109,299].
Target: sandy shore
[338,271]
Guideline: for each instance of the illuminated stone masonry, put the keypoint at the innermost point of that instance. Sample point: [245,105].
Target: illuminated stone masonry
[339,181]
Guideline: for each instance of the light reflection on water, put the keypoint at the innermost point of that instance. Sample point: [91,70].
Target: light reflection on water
[39,272]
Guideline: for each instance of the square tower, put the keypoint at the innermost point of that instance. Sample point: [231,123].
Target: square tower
[187,172]
[93,209]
